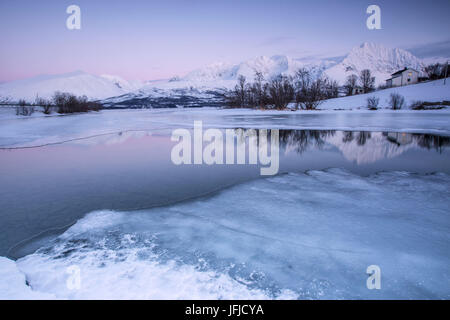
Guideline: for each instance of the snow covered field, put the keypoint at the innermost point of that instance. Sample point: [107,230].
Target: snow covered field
[433,91]
[304,235]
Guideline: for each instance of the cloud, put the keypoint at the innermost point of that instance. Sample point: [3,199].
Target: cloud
[435,49]
[276,41]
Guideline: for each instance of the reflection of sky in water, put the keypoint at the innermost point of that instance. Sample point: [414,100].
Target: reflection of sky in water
[51,187]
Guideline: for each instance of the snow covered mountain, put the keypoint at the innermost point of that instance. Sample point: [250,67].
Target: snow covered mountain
[78,83]
[380,60]
[270,67]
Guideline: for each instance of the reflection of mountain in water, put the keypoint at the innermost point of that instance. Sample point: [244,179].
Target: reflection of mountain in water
[360,147]
[368,147]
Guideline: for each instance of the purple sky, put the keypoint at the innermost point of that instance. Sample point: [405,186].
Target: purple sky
[159,39]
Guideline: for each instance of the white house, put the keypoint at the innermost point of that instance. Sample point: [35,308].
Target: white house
[403,78]
[357,90]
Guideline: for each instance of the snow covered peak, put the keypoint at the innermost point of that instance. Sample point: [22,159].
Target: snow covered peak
[214,71]
[268,66]
[122,83]
[380,60]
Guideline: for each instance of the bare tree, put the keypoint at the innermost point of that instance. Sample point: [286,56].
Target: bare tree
[309,92]
[240,90]
[367,81]
[372,103]
[281,92]
[396,101]
[24,108]
[351,83]
[331,88]
[259,90]
[435,71]
[45,104]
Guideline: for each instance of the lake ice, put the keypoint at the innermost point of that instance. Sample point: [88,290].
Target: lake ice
[142,227]
[299,235]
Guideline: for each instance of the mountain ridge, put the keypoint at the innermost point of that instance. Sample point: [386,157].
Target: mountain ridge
[381,60]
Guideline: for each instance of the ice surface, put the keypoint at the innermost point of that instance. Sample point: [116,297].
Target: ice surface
[13,283]
[39,130]
[303,236]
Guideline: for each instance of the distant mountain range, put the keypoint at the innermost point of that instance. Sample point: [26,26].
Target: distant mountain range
[380,60]
[78,83]
[202,83]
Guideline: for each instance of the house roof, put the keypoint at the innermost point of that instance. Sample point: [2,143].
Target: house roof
[401,71]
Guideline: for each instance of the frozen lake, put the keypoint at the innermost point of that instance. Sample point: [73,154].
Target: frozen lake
[39,130]
[138,226]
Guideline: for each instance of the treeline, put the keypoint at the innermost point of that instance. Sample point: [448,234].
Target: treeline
[437,71]
[306,91]
[303,89]
[61,102]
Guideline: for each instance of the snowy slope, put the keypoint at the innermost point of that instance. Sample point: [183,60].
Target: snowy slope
[433,91]
[380,60]
[78,83]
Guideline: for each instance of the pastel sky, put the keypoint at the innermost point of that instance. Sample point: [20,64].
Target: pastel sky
[159,39]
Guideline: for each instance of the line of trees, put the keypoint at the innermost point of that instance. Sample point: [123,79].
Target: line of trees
[306,91]
[70,103]
[61,102]
[437,71]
